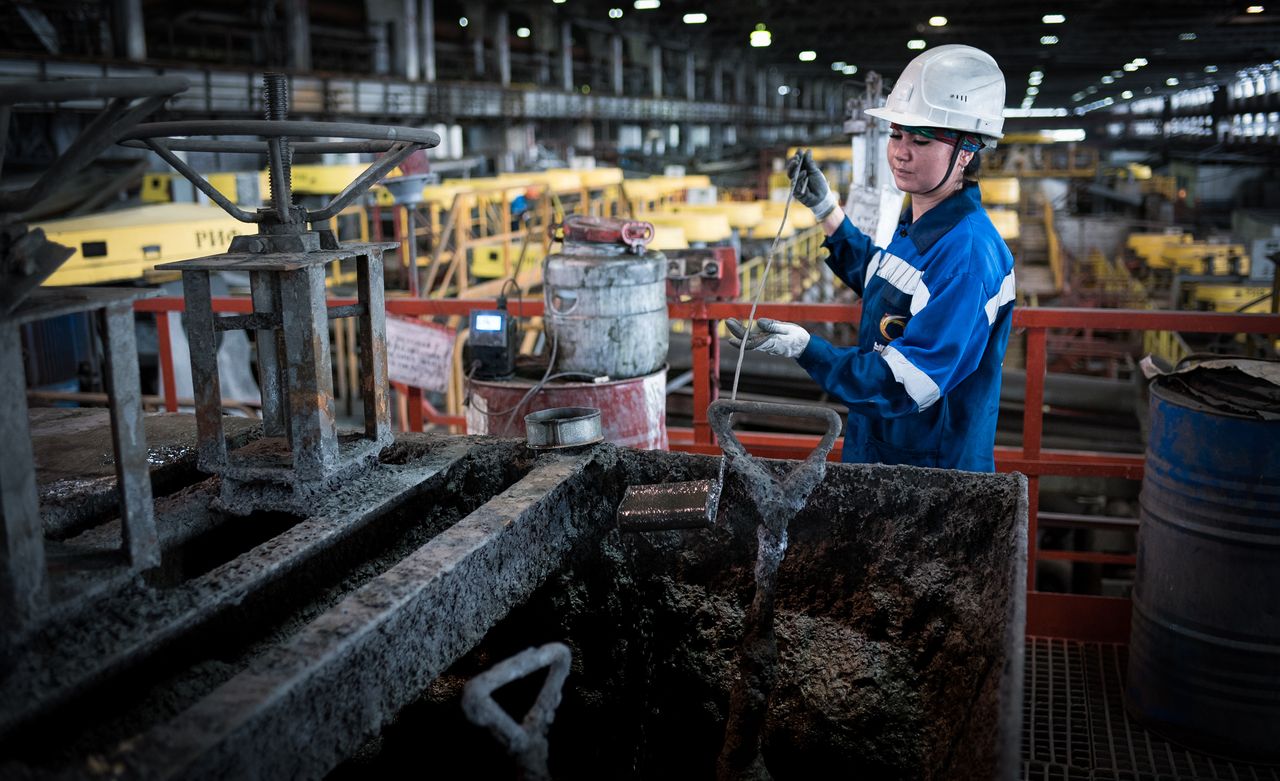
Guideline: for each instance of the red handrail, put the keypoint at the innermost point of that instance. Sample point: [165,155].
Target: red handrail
[1070,615]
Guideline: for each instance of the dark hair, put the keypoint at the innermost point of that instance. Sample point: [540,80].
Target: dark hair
[971,170]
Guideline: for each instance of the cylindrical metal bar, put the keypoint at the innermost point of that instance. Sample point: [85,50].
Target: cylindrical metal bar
[22,559]
[411,249]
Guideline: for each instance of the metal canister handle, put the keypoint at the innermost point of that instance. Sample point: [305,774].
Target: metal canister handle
[554,296]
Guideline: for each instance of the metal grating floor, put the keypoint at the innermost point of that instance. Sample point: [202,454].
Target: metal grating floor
[1075,727]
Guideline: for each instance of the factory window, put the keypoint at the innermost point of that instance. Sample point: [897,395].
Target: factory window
[93,249]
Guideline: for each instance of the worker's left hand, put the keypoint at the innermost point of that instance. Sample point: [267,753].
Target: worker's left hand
[770,336]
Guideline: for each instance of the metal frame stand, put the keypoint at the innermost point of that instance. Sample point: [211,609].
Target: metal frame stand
[24,573]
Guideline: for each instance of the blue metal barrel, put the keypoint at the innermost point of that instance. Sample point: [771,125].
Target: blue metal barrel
[1204,654]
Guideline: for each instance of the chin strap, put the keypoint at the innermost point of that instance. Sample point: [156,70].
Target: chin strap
[955,154]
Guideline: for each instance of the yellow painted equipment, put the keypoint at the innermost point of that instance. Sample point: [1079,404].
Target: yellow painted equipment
[1201,258]
[126,244]
[1006,223]
[999,191]
[698,228]
[835,153]
[1149,246]
[742,215]
[486,262]
[1232,298]
[668,237]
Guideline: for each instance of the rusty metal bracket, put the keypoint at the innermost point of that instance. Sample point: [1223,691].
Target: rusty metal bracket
[527,740]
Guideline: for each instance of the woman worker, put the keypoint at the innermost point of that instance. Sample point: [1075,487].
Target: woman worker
[923,383]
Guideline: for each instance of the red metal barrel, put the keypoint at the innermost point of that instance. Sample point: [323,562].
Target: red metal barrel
[633,412]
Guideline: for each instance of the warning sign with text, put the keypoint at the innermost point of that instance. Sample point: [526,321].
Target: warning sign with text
[419,354]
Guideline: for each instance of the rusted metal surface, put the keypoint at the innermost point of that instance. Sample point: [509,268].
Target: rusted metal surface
[128,438]
[687,504]
[22,560]
[527,739]
[287,715]
[107,637]
[371,336]
[632,412]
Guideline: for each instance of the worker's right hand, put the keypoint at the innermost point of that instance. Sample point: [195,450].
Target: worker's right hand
[810,186]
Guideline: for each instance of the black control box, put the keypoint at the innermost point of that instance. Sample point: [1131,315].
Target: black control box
[492,343]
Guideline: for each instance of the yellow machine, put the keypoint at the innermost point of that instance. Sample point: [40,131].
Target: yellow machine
[128,243]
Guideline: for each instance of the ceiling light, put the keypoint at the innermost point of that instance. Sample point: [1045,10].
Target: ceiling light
[558,2]
[1053,18]
[1048,40]
[915,43]
[615,13]
[1034,81]
[1146,90]
[1140,61]
[761,37]
[1107,80]
[1187,37]
[522,32]
[695,18]
[647,5]
[1211,69]
[1079,96]
[808,55]
[937,21]
[1254,9]
[463,22]
[1090,89]
[1126,94]
[849,70]
[1172,81]
[838,65]
[1130,67]
[1117,74]
[1033,90]
[784,89]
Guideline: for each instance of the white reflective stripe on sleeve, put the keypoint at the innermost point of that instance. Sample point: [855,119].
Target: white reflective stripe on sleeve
[871,269]
[922,390]
[1008,292]
[919,298]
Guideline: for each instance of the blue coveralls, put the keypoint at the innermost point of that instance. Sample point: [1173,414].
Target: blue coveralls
[923,384]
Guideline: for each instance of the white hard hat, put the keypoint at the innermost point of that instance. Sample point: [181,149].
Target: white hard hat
[954,86]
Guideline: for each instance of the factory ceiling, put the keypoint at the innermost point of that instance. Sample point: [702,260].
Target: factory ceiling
[1075,45]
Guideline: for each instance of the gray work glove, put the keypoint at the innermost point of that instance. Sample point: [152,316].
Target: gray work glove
[770,336]
[810,186]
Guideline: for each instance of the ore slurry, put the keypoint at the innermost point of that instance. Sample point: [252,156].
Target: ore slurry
[291,713]
[897,604]
[120,637]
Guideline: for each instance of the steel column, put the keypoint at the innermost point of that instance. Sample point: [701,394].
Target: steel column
[502,41]
[22,561]
[655,70]
[566,56]
[615,63]
[427,44]
[204,370]
[690,76]
[310,381]
[128,438]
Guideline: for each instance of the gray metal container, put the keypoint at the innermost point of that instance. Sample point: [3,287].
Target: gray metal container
[607,308]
